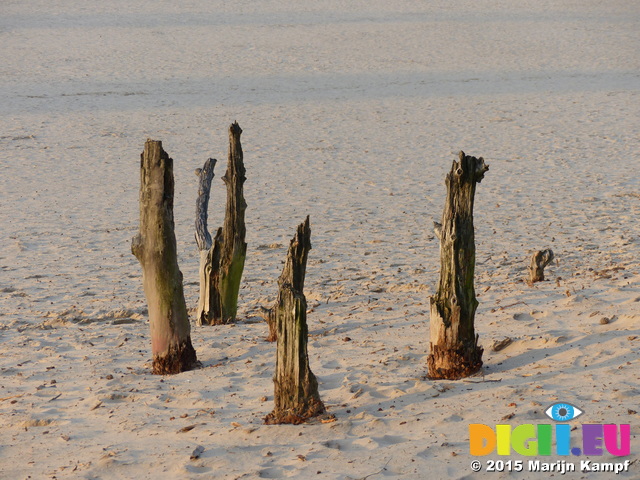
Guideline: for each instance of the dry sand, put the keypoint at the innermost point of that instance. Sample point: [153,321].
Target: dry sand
[351,114]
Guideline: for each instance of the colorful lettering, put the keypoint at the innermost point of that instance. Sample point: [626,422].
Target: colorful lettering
[523,440]
[592,439]
[530,440]
[482,439]
[611,439]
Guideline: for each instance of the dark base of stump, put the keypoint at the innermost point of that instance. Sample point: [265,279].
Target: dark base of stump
[215,321]
[179,359]
[222,321]
[453,364]
[296,416]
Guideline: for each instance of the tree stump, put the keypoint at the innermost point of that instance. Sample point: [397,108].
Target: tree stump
[539,260]
[296,388]
[155,249]
[454,344]
[233,249]
[208,295]
[222,261]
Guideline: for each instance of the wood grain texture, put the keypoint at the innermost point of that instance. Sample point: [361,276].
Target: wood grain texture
[455,352]
[155,249]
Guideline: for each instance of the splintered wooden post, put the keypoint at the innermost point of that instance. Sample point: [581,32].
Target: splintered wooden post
[539,260]
[155,249]
[454,344]
[230,238]
[208,297]
[296,388]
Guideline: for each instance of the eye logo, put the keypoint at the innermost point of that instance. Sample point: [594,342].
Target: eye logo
[563,412]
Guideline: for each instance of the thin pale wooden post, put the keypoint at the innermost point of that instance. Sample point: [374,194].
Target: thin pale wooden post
[539,260]
[455,352]
[296,388]
[155,249]
[208,295]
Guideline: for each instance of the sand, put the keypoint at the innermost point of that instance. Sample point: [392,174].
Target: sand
[352,114]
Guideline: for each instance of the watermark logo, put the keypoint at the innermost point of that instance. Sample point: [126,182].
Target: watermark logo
[532,440]
[592,439]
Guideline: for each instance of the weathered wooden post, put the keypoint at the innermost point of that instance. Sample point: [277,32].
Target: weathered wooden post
[296,388]
[203,239]
[539,260]
[233,249]
[222,261]
[155,249]
[455,352]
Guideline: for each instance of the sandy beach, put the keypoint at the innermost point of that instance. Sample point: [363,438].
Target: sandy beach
[351,114]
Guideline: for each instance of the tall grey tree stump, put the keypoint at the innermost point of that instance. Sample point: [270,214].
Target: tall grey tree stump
[455,352]
[296,388]
[222,261]
[155,249]
[208,292]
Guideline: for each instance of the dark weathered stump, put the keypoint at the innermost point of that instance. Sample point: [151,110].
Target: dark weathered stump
[155,248]
[455,352]
[539,260]
[233,249]
[222,261]
[296,388]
